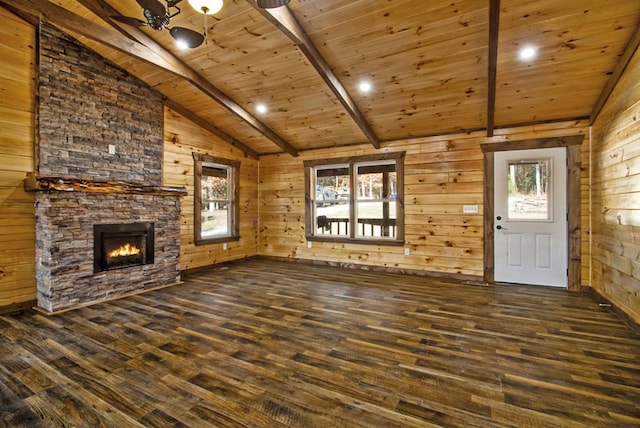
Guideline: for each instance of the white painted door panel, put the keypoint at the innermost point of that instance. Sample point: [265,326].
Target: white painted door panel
[530,236]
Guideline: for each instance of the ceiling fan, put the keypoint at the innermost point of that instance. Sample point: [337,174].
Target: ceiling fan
[158,17]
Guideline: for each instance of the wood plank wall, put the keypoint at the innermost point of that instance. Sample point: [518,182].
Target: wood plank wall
[181,138]
[17,118]
[616,195]
[441,175]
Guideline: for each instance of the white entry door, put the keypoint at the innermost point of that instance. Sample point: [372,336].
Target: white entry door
[530,235]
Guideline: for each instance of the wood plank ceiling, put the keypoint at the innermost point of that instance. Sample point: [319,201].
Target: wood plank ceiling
[436,67]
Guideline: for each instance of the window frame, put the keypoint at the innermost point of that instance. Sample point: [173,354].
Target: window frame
[352,161]
[200,163]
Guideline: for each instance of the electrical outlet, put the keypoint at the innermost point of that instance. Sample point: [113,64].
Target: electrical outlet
[112,149]
[225,246]
[309,244]
[407,251]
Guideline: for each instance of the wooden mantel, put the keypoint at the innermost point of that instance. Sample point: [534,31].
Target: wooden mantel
[34,183]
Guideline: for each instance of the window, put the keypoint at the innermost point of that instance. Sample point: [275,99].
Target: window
[529,190]
[356,199]
[216,215]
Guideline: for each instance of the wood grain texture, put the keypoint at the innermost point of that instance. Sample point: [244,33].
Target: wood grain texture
[616,195]
[433,68]
[275,344]
[17,135]
[442,174]
[182,138]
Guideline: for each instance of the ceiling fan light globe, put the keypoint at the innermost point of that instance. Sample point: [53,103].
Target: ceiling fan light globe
[207,7]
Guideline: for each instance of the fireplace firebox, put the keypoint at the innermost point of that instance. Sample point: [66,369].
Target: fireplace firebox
[117,246]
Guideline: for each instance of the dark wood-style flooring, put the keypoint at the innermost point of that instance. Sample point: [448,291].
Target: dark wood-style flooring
[263,343]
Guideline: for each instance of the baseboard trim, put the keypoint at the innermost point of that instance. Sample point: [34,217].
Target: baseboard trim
[626,318]
[466,279]
[17,308]
[196,270]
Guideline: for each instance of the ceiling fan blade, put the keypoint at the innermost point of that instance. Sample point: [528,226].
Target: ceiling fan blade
[153,6]
[191,38]
[268,4]
[129,20]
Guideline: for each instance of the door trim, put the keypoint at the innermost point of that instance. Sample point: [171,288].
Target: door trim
[572,143]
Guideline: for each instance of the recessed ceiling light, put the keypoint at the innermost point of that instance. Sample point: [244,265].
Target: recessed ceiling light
[527,53]
[261,108]
[364,87]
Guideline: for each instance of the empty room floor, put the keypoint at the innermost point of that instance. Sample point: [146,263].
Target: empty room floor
[264,343]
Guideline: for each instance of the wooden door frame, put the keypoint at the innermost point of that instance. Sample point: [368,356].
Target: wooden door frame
[573,144]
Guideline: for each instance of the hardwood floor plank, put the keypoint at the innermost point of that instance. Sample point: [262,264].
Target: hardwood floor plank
[262,343]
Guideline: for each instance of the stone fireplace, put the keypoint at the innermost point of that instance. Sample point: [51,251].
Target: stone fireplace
[99,181]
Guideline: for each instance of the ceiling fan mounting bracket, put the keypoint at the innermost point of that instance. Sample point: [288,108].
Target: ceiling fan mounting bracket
[158,17]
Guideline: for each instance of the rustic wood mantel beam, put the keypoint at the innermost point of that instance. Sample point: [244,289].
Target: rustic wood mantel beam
[157,56]
[282,18]
[35,183]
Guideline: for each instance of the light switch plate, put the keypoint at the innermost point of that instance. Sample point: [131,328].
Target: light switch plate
[470,209]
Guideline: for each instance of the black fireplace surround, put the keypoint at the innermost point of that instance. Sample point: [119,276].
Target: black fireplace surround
[117,246]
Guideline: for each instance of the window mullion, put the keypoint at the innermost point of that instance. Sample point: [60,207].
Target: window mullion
[353,170]
[384,228]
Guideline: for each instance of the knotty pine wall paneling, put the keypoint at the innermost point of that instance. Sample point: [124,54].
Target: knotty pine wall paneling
[441,175]
[616,195]
[17,119]
[181,138]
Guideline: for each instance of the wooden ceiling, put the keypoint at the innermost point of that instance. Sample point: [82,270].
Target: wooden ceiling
[437,67]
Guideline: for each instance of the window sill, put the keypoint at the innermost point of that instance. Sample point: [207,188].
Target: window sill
[219,240]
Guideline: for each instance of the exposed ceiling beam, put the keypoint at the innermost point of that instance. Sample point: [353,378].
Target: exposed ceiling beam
[494,26]
[27,17]
[631,48]
[282,18]
[157,56]
[104,10]
[212,129]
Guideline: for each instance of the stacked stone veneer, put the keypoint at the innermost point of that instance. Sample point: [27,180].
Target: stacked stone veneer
[65,246]
[86,104]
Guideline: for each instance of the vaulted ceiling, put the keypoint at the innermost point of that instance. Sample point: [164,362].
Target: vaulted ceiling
[436,67]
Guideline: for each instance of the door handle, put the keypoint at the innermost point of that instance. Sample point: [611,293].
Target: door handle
[501,228]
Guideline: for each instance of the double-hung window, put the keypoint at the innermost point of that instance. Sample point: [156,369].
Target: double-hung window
[356,199]
[215,199]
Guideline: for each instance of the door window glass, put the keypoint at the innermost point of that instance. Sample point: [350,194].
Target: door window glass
[529,190]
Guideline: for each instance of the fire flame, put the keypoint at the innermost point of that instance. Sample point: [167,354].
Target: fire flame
[125,250]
